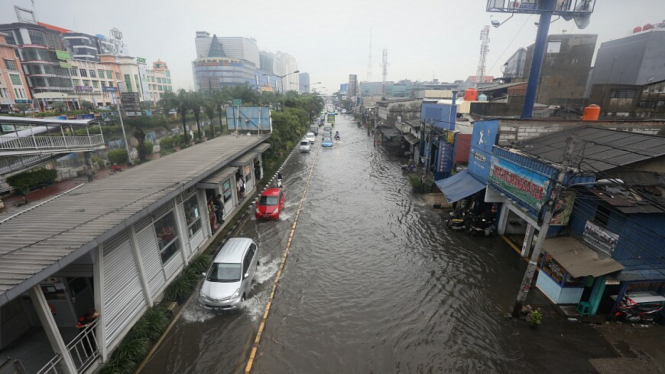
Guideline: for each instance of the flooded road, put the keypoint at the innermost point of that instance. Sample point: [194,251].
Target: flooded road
[374,283]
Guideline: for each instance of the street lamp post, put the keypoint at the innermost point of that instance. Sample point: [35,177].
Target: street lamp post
[283,76]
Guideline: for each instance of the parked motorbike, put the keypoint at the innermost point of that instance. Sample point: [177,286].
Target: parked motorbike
[479,226]
[632,312]
[457,221]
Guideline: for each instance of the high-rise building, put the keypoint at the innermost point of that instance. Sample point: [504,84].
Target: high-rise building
[636,59]
[44,59]
[514,66]
[241,49]
[13,86]
[303,83]
[267,62]
[287,66]
[352,88]
[82,46]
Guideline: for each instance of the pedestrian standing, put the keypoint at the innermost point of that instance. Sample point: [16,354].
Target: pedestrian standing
[84,325]
[88,170]
[219,206]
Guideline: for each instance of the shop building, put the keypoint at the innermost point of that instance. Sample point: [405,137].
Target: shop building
[159,80]
[117,257]
[92,79]
[13,85]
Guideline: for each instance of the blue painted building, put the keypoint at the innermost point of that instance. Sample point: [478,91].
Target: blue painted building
[437,142]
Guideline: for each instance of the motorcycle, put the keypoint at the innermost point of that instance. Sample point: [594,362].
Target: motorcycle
[632,312]
[279,183]
[457,221]
[481,227]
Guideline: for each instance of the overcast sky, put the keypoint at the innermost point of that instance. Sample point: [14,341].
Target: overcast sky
[425,39]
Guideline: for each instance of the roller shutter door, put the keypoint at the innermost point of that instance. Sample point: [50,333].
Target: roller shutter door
[149,250]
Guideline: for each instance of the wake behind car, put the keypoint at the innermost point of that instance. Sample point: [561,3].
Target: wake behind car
[230,275]
[327,142]
[271,204]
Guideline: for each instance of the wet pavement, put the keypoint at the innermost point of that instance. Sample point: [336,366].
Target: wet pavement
[374,283]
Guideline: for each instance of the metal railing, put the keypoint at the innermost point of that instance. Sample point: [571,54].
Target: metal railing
[52,367]
[84,348]
[13,163]
[50,142]
[84,351]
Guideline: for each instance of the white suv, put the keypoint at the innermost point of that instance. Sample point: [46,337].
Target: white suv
[305,146]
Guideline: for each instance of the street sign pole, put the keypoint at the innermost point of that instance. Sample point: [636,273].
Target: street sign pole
[124,135]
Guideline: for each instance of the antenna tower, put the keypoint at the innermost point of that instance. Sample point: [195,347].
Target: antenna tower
[484,48]
[369,59]
[384,64]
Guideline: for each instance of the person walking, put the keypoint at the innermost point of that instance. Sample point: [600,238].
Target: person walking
[88,170]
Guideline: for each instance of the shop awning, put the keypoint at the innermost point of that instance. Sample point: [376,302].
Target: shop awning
[578,259]
[249,156]
[459,186]
[411,139]
[216,178]
[644,275]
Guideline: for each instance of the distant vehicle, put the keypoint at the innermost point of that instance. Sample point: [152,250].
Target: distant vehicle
[327,129]
[314,129]
[271,204]
[305,146]
[326,134]
[327,142]
[343,111]
[230,275]
[311,137]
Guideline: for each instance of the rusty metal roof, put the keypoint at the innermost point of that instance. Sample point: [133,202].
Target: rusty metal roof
[602,149]
[578,259]
[40,241]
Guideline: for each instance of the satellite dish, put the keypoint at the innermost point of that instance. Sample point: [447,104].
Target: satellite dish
[582,20]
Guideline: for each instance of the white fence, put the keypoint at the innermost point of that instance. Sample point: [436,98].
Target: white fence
[46,142]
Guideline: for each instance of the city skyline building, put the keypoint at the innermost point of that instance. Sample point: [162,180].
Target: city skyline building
[286,65]
[13,85]
[304,83]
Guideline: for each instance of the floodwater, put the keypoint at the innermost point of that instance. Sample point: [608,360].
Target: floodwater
[374,283]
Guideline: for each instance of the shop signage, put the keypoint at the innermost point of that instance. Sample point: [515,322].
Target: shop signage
[567,199]
[110,89]
[23,101]
[600,238]
[84,88]
[485,135]
[65,65]
[63,55]
[446,155]
[226,62]
[130,101]
[140,60]
[523,185]
[85,116]
[237,102]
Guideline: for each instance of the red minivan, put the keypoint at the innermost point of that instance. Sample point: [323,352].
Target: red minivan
[270,204]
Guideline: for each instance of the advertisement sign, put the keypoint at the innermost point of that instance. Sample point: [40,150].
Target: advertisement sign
[130,101]
[566,199]
[83,88]
[600,238]
[140,60]
[85,116]
[65,65]
[63,55]
[23,101]
[110,89]
[485,136]
[521,184]
[331,118]
[248,118]
[446,156]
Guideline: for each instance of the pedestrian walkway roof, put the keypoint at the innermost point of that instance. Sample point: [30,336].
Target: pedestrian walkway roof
[41,240]
[29,121]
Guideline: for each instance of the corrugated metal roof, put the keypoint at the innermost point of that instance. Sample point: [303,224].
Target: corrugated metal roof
[641,275]
[218,177]
[411,139]
[41,241]
[24,121]
[578,259]
[247,157]
[603,149]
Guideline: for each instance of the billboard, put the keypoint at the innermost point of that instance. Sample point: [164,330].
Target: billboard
[439,115]
[331,118]
[63,55]
[564,8]
[525,186]
[248,118]
[485,136]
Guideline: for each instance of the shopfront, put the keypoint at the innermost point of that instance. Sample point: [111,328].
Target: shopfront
[250,167]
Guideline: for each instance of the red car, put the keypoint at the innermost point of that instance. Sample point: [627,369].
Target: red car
[270,204]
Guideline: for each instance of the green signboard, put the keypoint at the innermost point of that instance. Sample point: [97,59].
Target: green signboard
[65,65]
[140,60]
[237,102]
[63,55]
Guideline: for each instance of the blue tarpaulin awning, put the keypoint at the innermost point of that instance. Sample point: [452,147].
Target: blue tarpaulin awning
[459,186]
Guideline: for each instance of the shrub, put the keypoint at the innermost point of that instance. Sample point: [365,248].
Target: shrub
[33,179]
[99,161]
[118,156]
[148,147]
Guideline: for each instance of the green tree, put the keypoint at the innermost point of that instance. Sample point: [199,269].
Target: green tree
[22,107]
[59,106]
[140,125]
[179,102]
[209,108]
[85,104]
[195,103]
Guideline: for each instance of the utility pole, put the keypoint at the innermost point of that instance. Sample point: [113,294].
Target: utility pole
[124,135]
[542,231]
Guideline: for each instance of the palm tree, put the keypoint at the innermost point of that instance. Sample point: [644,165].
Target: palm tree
[209,107]
[195,102]
[219,99]
[180,102]
[139,126]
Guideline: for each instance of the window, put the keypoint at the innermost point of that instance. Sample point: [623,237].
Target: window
[168,73]
[95,84]
[270,200]
[128,82]
[554,46]
[86,83]
[77,82]
[247,262]
[93,74]
[167,235]
[74,72]
[117,76]
[159,87]
[660,104]
[220,272]
[16,79]
[248,173]
[11,64]
[623,94]
[168,81]
[159,80]
[100,74]
[602,216]
[109,74]
[193,216]
[110,84]
[227,193]
[84,73]
[37,37]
